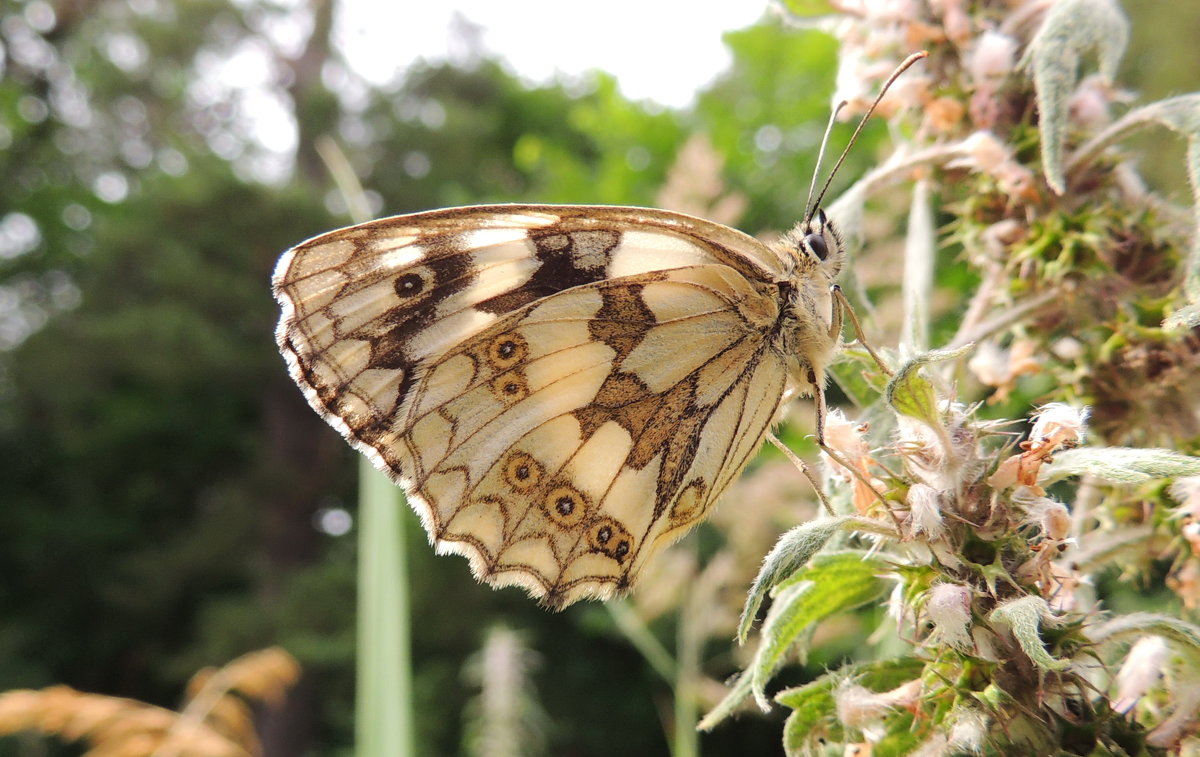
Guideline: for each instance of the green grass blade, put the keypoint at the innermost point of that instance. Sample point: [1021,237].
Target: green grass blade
[384,718]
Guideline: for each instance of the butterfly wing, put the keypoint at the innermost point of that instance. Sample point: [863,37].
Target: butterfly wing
[561,446]
[548,383]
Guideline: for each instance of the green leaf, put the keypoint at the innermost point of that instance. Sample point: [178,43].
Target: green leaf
[1024,616]
[790,553]
[831,584]
[1072,30]
[1120,465]
[856,374]
[909,393]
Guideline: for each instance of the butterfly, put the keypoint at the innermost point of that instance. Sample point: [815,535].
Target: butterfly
[560,390]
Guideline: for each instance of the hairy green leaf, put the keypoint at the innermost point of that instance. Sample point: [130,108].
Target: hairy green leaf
[792,551]
[909,393]
[1072,30]
[1120,465]
[789,554]
[1024,616]
[831,584]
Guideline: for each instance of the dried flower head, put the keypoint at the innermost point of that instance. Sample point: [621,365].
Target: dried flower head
[1055,426]
[848,439]
[1058,425]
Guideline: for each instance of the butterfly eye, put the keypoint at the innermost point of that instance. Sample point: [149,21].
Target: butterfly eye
[816,243]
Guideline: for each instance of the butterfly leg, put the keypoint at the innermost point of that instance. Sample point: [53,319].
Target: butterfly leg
[838,318]
[803,468]
[819,401]
[858,332]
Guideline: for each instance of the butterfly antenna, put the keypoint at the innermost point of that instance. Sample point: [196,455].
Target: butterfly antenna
[812,185]
[904,66]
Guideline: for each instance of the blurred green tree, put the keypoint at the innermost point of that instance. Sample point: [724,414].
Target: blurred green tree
[163,476]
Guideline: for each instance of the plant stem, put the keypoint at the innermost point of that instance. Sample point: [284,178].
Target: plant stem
[383,718]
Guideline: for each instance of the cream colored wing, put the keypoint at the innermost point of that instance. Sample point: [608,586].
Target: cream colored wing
[561,446]
[386,327]
[365,307]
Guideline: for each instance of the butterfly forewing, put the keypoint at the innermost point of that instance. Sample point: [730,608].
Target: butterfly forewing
[560,390]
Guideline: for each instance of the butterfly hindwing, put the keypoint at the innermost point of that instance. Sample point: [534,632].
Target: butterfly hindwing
[555,447]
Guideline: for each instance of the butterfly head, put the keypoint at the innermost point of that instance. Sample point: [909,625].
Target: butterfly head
[817,246]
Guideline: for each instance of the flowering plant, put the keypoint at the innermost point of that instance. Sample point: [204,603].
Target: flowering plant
[985,544]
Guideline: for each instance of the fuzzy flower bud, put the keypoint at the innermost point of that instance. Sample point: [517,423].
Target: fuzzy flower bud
[1051,516]
[1186,491]
[937,455]
[925,511]
[994,57]
[1142,668]
[1055,520]
[949,608]
[860,709]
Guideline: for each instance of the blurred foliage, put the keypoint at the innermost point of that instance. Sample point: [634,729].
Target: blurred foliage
[163,478]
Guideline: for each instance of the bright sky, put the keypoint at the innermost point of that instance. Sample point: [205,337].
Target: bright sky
[663,50]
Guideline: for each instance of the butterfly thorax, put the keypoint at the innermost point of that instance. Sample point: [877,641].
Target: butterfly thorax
[809,332]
